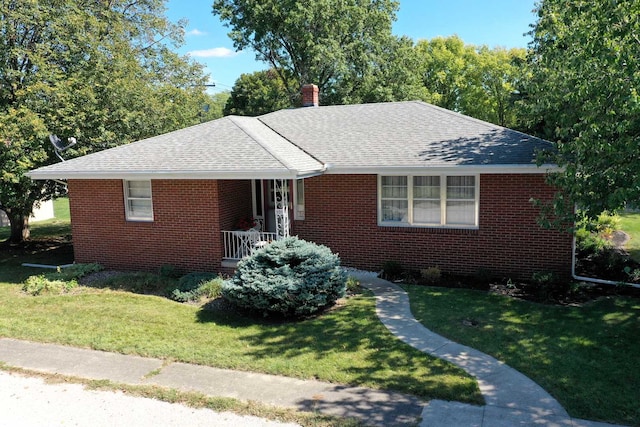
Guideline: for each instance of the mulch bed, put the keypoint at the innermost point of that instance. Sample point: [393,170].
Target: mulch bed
[562,293]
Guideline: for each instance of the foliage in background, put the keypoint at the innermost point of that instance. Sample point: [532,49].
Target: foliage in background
[257,93]
[344,47]
[583,95]
[597,256]
[392,270]
[102,72]
[630,223]
[215,105]
[476,81]
[591,235]
[289,277]
[353,285]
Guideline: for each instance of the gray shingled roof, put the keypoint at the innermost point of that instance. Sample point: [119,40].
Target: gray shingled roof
[231,147]
[402,134]
[298,142]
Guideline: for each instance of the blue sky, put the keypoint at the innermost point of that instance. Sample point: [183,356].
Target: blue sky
[480,22]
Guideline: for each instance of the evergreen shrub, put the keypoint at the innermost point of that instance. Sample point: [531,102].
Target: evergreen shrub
[289,277]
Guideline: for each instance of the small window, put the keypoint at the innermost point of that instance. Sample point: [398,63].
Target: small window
[298,212]
[138,205]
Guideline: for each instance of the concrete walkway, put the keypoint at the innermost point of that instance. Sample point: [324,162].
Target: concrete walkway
[511,398]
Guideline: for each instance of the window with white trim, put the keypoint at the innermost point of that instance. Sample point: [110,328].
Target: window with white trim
[137,201]
[428,200]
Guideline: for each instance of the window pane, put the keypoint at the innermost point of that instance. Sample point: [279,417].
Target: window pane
[258,194]
[140,208]
[426,187]
[461,187]
[300,191]
[462,213]
[394,187]
[461,180]
[395,210]
[426,211]
[139,189]
[394,180]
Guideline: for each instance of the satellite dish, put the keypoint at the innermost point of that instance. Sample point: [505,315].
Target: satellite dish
[58,146]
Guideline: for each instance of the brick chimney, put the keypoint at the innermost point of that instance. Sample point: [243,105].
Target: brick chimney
[310,97]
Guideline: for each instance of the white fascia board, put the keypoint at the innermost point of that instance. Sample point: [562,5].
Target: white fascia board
[148,175]
[476,169]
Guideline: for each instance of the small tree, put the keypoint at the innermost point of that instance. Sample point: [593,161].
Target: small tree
[290,277]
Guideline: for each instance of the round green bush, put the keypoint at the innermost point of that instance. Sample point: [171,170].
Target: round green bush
[289,277]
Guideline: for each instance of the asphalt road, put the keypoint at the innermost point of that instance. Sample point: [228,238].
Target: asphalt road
[26,401]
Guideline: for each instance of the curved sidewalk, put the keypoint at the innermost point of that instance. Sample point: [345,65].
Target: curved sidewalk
[511,398]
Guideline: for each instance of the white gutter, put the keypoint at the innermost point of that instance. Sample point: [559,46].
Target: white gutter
[475,169]
[593,279]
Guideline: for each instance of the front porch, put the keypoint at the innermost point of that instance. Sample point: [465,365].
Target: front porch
[269,220]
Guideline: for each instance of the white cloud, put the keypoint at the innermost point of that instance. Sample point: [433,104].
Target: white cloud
[196,32]
[216,52]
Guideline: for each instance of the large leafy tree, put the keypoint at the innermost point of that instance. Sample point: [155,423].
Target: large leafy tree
[335,44]
[257,93]
[476,81]
[583,95]
[101,72]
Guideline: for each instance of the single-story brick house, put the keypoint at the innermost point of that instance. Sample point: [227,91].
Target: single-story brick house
[403,181]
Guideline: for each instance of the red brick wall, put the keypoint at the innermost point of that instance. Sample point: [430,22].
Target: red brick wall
[341,212]
[235,202]
[185,231]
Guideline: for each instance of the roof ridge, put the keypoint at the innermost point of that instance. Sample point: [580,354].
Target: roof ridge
[291,142]
[236,121]
[268,147]
[476,120]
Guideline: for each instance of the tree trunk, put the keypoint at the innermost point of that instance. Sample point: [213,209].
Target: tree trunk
[19,228]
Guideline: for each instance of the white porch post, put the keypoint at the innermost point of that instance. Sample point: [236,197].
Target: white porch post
[281,204]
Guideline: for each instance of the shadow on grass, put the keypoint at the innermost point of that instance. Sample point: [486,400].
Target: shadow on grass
[51,252]
[586,356]
[354,329]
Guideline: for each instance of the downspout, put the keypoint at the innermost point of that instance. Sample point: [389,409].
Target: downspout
[592,279]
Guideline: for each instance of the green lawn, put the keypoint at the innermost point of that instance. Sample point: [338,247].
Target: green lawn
[348,345]
[630,223]
[587,357]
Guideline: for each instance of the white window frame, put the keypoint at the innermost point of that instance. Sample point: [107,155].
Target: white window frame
[128,214]
[443,203]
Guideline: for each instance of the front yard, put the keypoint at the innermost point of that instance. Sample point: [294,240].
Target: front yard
[586,356]
[348,345]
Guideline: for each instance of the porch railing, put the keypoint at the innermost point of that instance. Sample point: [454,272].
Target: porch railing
[238,244]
